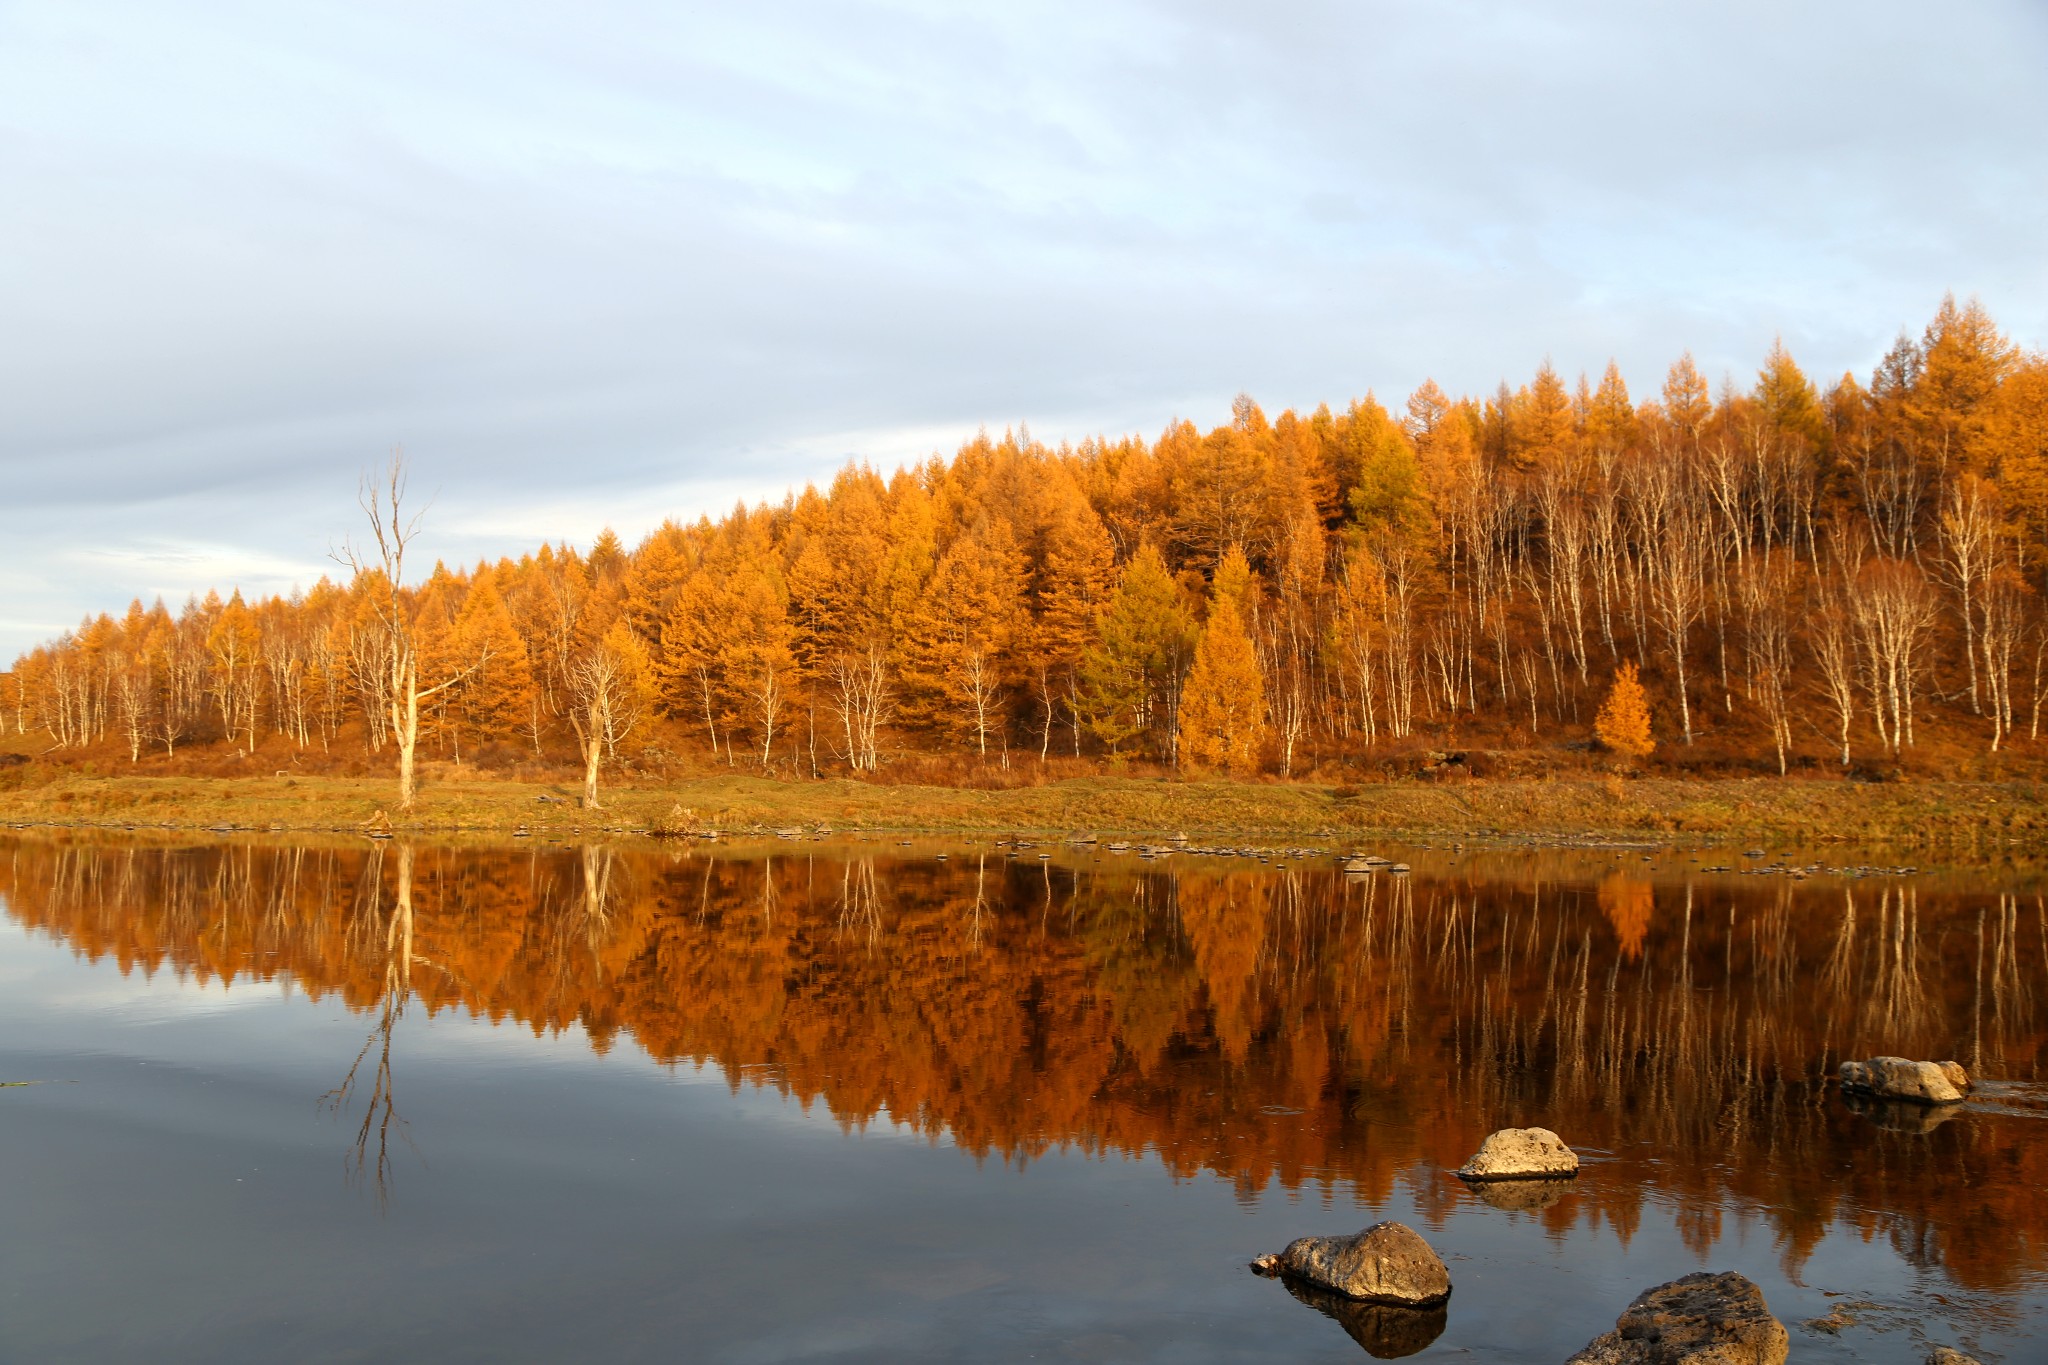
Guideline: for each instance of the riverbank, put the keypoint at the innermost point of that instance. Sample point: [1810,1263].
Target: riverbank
[1935,814]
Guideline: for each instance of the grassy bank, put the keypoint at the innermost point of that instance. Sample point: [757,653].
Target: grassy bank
[1908,813]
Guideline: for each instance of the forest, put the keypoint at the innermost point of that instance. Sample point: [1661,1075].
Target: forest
[1807,579]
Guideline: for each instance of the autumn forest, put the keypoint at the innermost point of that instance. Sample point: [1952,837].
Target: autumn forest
[1843,576]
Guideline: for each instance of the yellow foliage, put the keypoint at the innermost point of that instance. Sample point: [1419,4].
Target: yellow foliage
[1623,724]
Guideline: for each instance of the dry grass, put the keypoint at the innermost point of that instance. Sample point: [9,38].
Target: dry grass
[1949,814]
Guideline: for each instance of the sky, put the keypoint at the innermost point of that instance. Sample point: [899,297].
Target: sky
[603,264]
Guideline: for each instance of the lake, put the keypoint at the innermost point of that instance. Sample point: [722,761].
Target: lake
[825,1100]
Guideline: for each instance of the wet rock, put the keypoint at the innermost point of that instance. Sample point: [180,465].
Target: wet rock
[1698,1319]
[1521,1154]
[1520,1196]
[1386,1263]
[1833,1322]
[1387,1332]
[1896,1078]
[1949,1355]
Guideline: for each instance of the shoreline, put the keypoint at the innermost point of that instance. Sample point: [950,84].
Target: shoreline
[1987,815]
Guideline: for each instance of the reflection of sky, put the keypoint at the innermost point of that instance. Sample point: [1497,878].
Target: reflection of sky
[651,258]
[550,1203]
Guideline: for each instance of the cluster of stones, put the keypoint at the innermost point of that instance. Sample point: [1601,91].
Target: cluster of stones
[1364,863]
[1389,1289]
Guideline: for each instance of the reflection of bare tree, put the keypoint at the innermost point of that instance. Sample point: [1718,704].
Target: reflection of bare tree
[2012,992]
[860,901]
[981,910]
[372,932]
[1895,999]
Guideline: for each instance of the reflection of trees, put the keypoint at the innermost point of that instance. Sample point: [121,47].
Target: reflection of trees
[373,936]
[1268,1025]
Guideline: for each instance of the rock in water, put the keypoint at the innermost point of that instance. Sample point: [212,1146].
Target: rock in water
[1387,1263]
[1698,1319]
[1896,1078]
[1386,1332]
[1521,1154]
[1949,1355]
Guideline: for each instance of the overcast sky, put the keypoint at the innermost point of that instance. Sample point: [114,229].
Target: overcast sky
[610,262]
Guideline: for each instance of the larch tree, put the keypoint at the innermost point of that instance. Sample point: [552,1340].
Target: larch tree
[1132,675]
[1623,724]
[497,696]
[236,647]
[1223,716]
[1075,581]
[963,643]
[758,659]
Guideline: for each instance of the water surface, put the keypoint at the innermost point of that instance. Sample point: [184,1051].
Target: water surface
[828,1100]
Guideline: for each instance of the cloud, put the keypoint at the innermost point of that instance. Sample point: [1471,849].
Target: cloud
[620,264]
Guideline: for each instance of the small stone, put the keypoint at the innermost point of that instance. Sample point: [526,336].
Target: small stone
[1698,1319]
[1837,1318]
[1386,1263]
[1521,1154]
[1897,1078]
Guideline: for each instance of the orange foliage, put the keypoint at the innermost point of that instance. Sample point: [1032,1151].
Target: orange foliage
[1804,579]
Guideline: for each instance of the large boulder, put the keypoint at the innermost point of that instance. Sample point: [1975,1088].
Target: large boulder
[1699,1319]
[1896,1078]
[1521,1154]
[1387,1263]
[1949,1355]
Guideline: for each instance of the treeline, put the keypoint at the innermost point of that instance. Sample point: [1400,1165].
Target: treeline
[1805,574]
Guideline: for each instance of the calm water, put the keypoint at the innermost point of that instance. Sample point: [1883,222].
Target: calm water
[841,1101]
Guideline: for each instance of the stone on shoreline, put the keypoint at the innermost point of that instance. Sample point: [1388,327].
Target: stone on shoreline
[1949,1355]
[1897,1078]
[1521,1154]
[1697,1319]
[1387,1263]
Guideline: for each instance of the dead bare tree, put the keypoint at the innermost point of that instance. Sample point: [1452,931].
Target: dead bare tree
[1894,609]
[1831,635]
[392,532]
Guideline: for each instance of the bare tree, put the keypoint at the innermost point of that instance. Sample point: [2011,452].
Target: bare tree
[861,699]
[1831,635]
[608,690]
[1894,610]
[2004,626]
[391,532]
[1969,526]
[1765,581]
